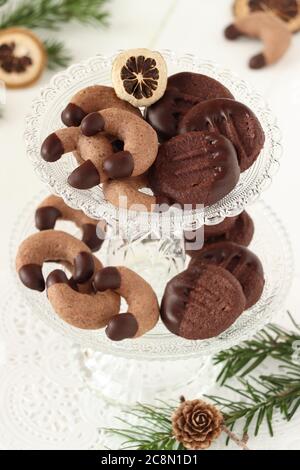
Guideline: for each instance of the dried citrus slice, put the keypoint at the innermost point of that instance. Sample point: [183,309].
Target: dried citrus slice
[22,57]
[286,10]
[139,76]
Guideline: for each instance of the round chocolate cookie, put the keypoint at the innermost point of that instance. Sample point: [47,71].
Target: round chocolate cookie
[239,229]
[194,168]
[184,90]
[202,303]
[239,261]
[233,120]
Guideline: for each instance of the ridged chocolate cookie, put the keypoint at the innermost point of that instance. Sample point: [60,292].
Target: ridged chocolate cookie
[239,229]
[194,168]
[184,90]
[202,303]
[244,265]
[231,119]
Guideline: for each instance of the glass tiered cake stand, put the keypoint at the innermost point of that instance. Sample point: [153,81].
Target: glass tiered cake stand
[159,364]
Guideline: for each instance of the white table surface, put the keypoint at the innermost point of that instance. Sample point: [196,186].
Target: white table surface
[194,26]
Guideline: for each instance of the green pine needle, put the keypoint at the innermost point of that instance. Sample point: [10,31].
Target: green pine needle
[52,14]
[263,396]
[57,55]
[273,341]
[154,431]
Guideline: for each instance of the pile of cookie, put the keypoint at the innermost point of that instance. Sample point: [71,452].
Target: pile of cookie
[189,146]
[184,136]
[222,280]
[91,297]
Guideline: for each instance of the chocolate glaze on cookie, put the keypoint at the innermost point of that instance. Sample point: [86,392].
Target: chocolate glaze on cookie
[46,217]
[194,168]
[107,278]
[32,277]
[83,267]
[233,120]
[122,326]
[52,148]
[239,229]
[184,90]
[85,176]
[244,265]
[202,303]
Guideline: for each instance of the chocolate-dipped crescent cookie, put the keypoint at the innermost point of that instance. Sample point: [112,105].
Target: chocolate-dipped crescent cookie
[91,99]
[54,246]
[85,311]
[143,310]
[89,151]
[53,208]
[233,120]
[184,90]
[194,168]
[238,229]
[242,263]
[202,303]
[140,141]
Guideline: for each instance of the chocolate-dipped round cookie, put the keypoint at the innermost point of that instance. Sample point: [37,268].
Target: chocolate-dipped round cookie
[202,303]
[239,229]
[233,120]
[184,90]
[194,168]
[242,263]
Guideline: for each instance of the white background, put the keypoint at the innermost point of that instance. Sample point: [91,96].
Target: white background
[194,26]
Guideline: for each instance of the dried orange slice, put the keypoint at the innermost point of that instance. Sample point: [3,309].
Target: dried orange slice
[22,57]
[286,10]
[139,76]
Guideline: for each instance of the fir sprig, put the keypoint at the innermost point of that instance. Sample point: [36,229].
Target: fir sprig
[57,55]
[261,397]
[52,14]
[272,342]
[156,431]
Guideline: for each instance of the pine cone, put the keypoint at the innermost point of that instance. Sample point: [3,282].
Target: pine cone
[196,424]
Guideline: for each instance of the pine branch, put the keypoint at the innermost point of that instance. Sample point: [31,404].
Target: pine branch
[154,434]
[273,341]
[57,55]
[52,14]
[261,398]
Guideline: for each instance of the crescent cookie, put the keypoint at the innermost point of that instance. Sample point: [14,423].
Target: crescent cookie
[124,193]
[53,208]
[90,153]
[140,141]
[54,245]
[85,311]
[90,99]
[143,309]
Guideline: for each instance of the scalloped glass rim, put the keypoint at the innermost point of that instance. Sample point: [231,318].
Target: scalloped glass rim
[271,243]
[45,118]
